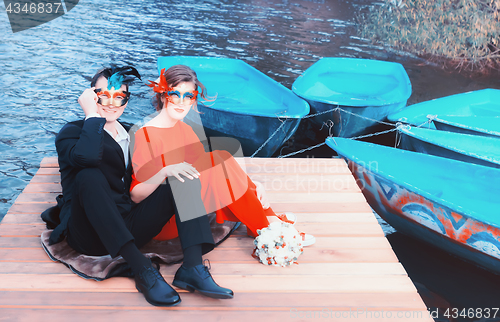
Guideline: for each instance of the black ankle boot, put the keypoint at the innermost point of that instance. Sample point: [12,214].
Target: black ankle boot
[156,291]
[199,278]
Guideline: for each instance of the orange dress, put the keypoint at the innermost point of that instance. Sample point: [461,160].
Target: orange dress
[226,188]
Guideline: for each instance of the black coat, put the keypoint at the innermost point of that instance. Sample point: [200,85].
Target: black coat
[83,144]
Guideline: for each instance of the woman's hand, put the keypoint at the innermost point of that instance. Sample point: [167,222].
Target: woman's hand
[261,195]
[88,101]
[184,168]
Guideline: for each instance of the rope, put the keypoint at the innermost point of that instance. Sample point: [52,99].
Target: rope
[330,125]
[364,117]
[353,138]
[372,134]
[324,112]
[268,139]
[303,150]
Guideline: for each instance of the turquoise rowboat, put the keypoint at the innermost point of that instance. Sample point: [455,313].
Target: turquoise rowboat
[485,102]
[463,147]
[476,125]
[450,204]
[369,88]
[249,106]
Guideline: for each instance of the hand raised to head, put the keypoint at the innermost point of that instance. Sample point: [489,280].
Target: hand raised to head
[88,101]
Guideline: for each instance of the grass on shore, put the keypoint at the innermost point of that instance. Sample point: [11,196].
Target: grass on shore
[463,34]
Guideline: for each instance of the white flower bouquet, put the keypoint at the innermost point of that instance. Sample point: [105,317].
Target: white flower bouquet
[279,244]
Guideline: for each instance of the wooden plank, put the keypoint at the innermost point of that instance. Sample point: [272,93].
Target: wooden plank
[242,241]
[322,242]
[258,170]
[389,301]
[42,187]
[29,267]
[239,255]
[326,218]
[276,170]
[295,183]
[49,162]
[182,314]
[28,230]
[319,229]
[37,197]
[366,217]
[330,207]
[46,179]
[238,283]
[290,161]
[22,219]
[249,268]
[339,229]
[48,171]
[317,197]
[20,242]
[312,183]
[30,207]
[296,167]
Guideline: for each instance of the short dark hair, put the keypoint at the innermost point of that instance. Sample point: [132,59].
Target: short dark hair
[127,73]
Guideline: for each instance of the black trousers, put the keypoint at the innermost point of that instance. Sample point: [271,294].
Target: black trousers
[101,223]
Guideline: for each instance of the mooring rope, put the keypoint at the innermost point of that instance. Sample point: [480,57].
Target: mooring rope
[303,150]
[269,139]
[330,124]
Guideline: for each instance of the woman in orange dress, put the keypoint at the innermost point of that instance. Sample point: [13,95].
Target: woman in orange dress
[167,148]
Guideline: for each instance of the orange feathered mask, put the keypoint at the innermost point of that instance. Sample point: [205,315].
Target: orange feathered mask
[161,86]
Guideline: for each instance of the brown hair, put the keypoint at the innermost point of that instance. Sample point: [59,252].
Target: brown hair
[178,74]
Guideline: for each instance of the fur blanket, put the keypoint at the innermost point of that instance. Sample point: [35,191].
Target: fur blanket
[102,267]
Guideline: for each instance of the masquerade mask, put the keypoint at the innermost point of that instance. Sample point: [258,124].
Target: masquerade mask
[111,97]
[172,96]
[176,97]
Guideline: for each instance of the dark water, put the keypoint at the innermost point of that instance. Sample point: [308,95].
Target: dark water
[44,70]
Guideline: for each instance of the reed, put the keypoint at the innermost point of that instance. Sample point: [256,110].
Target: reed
[463,34]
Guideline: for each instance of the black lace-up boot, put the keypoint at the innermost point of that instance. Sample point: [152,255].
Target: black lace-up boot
[199,278]
[156,291]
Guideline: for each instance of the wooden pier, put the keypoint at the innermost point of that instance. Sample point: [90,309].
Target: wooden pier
[351,273]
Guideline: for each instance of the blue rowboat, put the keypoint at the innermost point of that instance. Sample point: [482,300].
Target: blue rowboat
[463,147]
[249,106]
[451,204]
[475,125]
[485,102]
[369,88]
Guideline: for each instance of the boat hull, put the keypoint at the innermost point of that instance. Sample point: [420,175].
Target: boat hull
[485,103]
[456,146]
[426,218]
[459,125]
[351,121]
[250,130]
[430,221]
[365,91]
